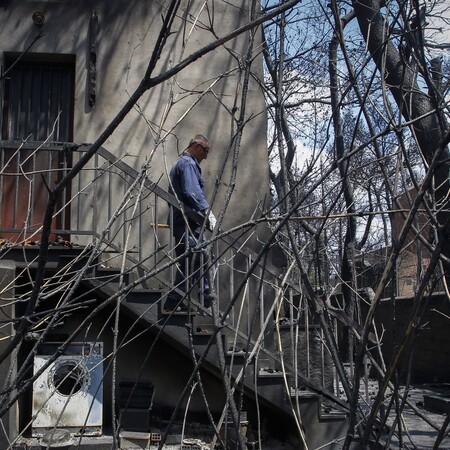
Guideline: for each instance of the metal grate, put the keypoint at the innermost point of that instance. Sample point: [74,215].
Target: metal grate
[39,101]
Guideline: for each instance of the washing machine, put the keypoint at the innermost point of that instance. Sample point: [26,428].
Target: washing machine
[69,392]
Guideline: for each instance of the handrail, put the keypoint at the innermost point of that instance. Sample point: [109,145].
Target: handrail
[172,200]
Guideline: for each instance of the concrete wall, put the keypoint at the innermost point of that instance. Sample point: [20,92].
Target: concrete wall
[159,128]
[428,347]
[8,368]
[199,100]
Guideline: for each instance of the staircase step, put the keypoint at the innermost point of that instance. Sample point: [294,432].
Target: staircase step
[270,375]
[144,296]
[75,261]
[331,413]
[112,273]
[303,393]
[148,310]
[235,347]
[326,410]
[271,385]
[202,331]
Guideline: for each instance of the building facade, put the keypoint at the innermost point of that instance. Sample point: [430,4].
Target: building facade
[83,329]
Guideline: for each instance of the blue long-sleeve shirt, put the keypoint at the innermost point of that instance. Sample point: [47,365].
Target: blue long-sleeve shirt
[187,184]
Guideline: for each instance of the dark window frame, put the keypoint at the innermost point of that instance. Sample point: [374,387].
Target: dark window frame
[35,64]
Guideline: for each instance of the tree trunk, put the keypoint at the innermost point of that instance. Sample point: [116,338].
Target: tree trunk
[428,125]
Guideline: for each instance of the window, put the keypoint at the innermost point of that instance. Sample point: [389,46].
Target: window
[38,106]
[38,99]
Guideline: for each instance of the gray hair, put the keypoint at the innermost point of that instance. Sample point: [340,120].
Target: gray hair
[200,139]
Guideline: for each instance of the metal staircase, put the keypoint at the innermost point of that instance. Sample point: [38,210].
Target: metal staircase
[194,332]
[254,359]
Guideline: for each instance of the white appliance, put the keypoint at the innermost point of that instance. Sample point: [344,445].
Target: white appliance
[69,392]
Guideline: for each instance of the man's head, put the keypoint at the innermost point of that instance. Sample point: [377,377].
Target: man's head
[199,147]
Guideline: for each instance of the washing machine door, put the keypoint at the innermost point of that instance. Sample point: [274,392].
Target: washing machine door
[69,392]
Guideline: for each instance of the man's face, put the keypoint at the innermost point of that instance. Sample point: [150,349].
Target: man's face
[204,150]
[199,151]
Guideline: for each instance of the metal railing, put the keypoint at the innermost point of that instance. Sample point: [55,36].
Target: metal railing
[118,205]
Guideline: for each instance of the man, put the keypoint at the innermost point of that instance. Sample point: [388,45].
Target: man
[187,185]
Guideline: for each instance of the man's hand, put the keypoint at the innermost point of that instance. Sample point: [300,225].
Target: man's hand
[211,221]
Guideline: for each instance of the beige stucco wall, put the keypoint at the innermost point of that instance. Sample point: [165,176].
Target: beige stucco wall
[159,128]
[127,33]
